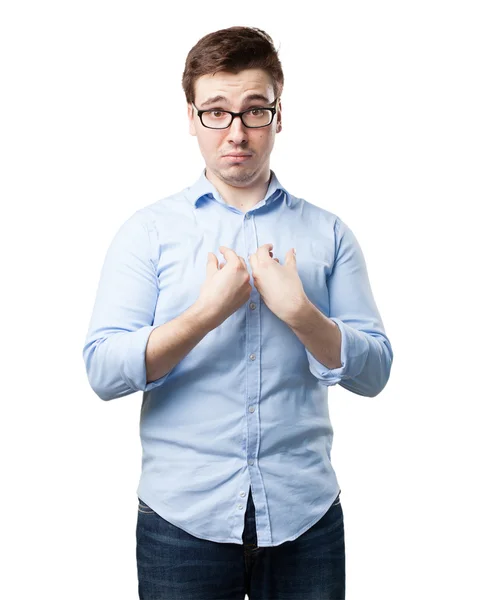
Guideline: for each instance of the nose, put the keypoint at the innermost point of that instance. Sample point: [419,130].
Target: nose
[238,132]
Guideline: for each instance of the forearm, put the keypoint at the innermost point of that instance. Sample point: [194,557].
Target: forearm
[171,342]
[320,335]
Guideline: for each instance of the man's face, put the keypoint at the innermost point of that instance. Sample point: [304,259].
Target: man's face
[216,144]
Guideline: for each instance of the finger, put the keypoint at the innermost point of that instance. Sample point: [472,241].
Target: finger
[263,251]
[243,262]
[228,253]
[222,265]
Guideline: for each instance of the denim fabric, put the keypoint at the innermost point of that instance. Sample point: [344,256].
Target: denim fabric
[174,565]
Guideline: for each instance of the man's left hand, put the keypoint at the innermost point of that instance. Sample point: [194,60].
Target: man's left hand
[279,285]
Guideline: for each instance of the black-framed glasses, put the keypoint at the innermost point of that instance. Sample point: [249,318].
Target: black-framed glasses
[258,116]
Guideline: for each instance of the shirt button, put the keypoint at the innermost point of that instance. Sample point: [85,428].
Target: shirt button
[252,356]
[252,305]
[251,409]
[243,494]
[240,506]
[248,216]
[251,461]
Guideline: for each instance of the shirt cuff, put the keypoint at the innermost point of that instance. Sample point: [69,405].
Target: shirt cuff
[354,353]
[135,361]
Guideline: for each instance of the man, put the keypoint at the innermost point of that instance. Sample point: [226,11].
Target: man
[237,492]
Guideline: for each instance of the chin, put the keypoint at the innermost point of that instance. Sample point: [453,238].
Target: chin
[238,173]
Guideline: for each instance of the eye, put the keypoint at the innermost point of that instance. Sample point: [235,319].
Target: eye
[256,112]
[216,114]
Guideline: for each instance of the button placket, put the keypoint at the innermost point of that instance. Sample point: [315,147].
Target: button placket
[253,318]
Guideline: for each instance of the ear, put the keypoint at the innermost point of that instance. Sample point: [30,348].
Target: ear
[279,118]
[191,118]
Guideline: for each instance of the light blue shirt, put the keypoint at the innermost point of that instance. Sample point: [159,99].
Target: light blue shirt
[248,406]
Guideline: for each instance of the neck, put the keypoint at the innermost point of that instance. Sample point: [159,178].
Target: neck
[242,198]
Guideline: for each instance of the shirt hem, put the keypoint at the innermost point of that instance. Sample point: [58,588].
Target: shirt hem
[240,543]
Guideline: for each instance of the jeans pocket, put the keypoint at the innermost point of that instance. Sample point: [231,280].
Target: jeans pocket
[338,499]
[144,508]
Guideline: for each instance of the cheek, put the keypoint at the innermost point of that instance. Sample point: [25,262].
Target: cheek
[266,140]
[208,144]
[216,139]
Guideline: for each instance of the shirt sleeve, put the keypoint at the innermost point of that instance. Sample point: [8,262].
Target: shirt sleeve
[366,352]
[123,315]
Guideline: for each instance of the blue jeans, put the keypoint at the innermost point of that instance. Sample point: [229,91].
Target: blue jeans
[174,565]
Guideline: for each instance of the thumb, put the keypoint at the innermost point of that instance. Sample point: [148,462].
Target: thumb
[291,257]
[212,264]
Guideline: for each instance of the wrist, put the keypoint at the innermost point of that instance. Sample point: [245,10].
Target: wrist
[301,314]
[204,315]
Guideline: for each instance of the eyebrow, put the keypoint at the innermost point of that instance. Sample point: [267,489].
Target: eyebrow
[222,99]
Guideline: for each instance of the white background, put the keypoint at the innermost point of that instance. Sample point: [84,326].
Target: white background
[93,127]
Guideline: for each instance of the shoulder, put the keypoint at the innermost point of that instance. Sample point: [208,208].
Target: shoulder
[162,210]
[316,213]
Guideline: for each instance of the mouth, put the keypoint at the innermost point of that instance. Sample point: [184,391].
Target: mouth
[237,157]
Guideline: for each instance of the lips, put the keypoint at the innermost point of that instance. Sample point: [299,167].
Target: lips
[237,158]
[237,155]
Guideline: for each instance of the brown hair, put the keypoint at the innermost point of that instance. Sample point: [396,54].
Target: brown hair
[232,50]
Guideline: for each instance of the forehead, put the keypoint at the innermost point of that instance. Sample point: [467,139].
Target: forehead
[234,86]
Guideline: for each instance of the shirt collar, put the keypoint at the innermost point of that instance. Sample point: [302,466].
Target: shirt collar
[203,187]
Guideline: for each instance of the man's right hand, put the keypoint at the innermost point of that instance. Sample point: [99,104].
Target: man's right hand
[226,287]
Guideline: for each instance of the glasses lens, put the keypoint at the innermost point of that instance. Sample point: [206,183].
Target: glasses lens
[258,117]
[217,119]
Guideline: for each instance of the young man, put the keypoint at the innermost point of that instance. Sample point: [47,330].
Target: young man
[237,492]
